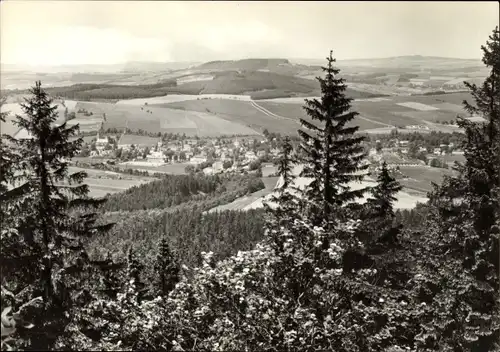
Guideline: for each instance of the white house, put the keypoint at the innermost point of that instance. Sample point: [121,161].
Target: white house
[208,171]
[217,166]
[155,157]
[198,159]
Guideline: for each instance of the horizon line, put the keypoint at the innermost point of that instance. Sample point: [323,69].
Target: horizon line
[245,58]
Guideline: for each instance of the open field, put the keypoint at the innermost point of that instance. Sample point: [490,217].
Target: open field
[268,169]
[418,106]
[406,199]
[102,182]
[174,169]
[160,118]
[421,178]
[128,139]
[173,98]
[296,111]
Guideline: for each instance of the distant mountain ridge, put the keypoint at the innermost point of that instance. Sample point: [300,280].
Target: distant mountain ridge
[247,64]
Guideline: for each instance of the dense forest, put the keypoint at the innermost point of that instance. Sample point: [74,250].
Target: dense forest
[172,190]
[319,271]
[90,92]
[187,229]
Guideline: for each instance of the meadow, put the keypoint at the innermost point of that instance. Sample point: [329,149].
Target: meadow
[421,178]
[102,182]
[174,169]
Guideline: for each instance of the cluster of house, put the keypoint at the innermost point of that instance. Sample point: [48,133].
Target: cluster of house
[194,151]
[402,147]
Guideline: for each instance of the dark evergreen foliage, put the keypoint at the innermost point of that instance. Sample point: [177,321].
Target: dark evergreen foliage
[331,154]
[461,263]
[166,269]
[383,195]
[172,190]
[50,218]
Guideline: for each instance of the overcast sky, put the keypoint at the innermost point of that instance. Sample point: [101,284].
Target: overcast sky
[101,32]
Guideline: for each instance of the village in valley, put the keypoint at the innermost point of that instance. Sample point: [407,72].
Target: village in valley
[174,153]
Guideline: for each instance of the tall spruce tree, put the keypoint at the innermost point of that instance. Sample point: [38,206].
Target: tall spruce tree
[464,231]
[57,200]
[383,195]
[482,145]
[285,163]
[53,215]
[332,155]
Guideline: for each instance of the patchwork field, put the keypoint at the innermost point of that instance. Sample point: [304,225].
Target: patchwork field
[221,114]
[238,111]
[296,111]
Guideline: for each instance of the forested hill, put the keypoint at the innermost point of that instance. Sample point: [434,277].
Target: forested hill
[172,190]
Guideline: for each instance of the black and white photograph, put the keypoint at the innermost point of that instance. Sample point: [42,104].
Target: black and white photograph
[250,176]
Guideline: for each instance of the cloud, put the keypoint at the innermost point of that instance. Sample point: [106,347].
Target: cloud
[76,32]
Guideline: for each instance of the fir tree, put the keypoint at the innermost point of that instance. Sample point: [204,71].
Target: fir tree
[383,195]
[331,154]
[53,216]
[285,164]
[464,227]
[166,269]
[482,145]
